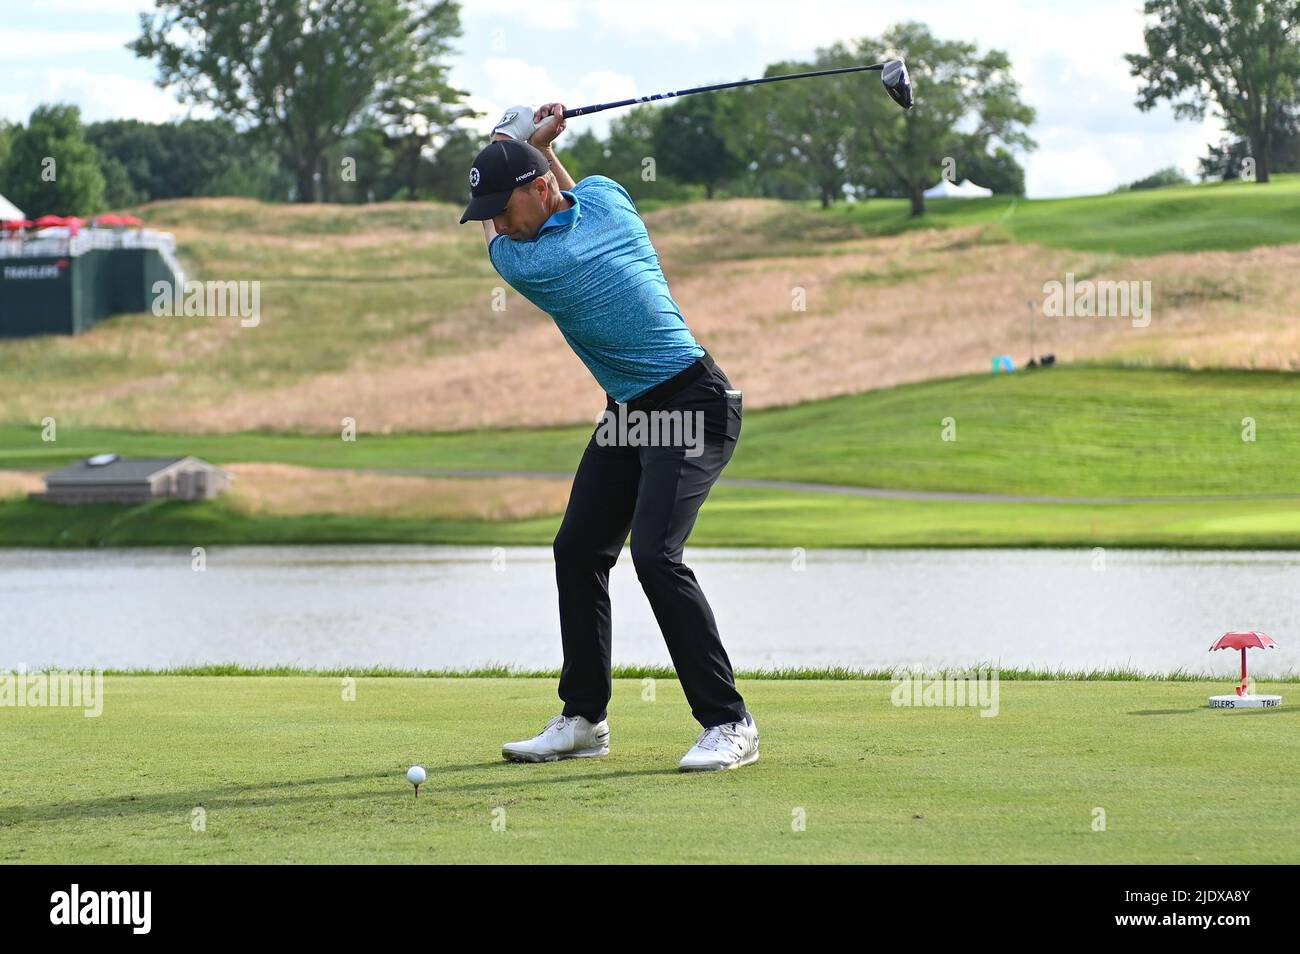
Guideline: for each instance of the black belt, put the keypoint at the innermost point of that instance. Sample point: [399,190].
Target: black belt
[648,400]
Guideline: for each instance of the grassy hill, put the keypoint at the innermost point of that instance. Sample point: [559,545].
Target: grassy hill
[1166,437]
[1226,215]
[391,314]
[733,517]
[1070,431]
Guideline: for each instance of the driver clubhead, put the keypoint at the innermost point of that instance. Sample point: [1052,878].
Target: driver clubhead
[897,83]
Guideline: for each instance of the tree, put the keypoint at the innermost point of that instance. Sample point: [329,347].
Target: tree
[1286,141]
[965,103]
[997,170]
[51,168]
[690,147]
[1224,161]
[1168,176]
[584,154]
[1239,56]
[254,174]
[188,158]
[797,139]
[629,144]
[301,72]
[627,156]
[119,193]
[420,107]
[7,131]
[448,174]
[138,148]
[1230,158]
[360,168]
[409,134]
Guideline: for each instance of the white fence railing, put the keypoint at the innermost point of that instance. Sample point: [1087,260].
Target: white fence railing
[58,246]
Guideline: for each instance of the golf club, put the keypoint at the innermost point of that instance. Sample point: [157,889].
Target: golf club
[893,74]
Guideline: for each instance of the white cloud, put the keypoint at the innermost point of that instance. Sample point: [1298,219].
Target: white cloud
[1068,58]
[97,6]
[27,45]
[510,81]
[768,24]
[1066,164]
[100,95]
[512,17]
[515,80]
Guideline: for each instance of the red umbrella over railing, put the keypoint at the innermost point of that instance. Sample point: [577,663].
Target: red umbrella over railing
[13,225]
[108,218]
[1243,641]
[47,221]
[131,220]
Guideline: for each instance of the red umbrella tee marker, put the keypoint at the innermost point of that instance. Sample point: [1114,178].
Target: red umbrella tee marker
[1244,699]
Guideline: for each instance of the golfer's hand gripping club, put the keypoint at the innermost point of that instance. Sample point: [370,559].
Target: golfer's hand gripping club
[525,124]
[548,123]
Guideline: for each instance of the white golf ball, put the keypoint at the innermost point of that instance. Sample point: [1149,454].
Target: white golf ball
[416,775]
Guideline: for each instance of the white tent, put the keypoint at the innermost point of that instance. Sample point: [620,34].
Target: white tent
[970,190]
[9,211]
[965,190]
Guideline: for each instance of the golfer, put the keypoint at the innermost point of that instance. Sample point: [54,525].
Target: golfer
[582,254]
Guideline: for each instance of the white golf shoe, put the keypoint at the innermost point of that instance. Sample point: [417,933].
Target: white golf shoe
[565,737]
[726,746]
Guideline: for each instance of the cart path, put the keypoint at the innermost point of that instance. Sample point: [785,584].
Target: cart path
[880,493]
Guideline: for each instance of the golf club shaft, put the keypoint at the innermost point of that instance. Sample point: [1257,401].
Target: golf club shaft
[584,110]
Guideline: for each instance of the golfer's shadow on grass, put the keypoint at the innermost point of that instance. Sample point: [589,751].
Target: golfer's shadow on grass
[536,773]
[229,796]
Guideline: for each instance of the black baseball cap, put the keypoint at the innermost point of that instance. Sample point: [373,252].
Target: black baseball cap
[499,169]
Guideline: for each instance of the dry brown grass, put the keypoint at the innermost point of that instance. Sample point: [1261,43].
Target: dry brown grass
[932,304]
[529,377]
[961,304]
[285,490]
[19,483]
[879,312]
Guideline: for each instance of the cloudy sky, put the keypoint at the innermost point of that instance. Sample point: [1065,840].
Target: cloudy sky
[1067,55]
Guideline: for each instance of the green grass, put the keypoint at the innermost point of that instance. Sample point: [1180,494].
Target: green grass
[626,671]
[1086,431]
[1230,216]
[548,449]
[285,771]
[733,516]
[1068,431]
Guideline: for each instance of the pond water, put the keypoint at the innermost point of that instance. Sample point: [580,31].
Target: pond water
[451,607]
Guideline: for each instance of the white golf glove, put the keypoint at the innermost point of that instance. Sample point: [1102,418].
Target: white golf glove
[517,123]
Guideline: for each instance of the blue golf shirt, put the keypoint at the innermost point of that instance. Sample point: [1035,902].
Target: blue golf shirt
[593,269]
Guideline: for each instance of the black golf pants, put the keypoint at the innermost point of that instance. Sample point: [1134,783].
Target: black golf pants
[656,493]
